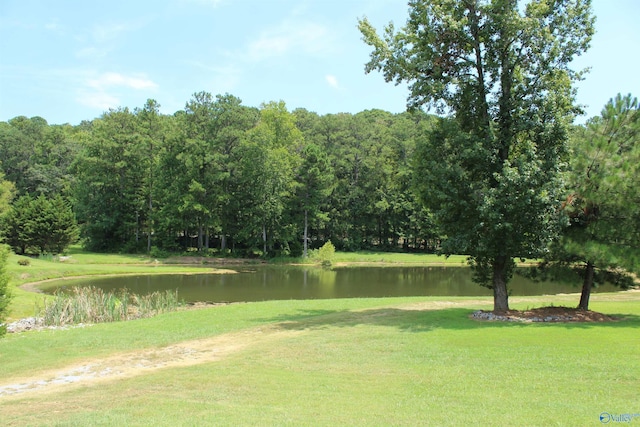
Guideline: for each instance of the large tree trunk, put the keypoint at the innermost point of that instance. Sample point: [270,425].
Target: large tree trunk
[500,295]
[587,284]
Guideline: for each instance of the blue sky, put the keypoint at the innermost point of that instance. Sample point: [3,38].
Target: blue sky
[71,60]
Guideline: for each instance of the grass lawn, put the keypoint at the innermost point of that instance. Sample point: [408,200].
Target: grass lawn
[395,361]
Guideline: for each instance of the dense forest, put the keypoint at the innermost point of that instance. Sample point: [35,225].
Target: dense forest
[221,177]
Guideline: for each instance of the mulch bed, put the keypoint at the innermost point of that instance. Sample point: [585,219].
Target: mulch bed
[544,314]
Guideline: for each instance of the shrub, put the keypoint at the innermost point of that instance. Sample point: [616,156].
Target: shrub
[326,253]
[24,262]
[156,252]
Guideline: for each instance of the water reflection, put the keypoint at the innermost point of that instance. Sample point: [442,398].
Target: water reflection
[286,282]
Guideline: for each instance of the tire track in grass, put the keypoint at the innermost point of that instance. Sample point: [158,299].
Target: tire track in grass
[127,365]
[188,353]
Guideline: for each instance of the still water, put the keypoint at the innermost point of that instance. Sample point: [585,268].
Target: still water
[261,283]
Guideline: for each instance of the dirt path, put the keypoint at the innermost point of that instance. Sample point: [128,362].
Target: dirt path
[188,353]
[126,365]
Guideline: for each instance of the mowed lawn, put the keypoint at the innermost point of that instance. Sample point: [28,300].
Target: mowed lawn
[355,362]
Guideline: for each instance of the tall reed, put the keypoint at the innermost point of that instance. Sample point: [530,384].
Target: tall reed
[156,302]
[92,305]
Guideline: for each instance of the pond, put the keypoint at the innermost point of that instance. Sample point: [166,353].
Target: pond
[262,283]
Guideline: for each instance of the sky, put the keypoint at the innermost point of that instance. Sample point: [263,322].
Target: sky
[72,60]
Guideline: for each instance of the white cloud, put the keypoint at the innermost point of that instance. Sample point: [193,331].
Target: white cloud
[332,81]
[107,80]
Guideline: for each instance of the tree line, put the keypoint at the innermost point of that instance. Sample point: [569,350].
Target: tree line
[221,177]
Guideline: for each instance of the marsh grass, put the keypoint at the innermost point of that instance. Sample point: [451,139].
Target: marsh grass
[156,303]
[93,305]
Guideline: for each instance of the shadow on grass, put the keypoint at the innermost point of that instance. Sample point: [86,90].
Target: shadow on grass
[422,320]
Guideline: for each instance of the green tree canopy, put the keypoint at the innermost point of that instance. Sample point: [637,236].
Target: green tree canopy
[269,158]
[604,197]
[112,172]
[501,69]
[40,225]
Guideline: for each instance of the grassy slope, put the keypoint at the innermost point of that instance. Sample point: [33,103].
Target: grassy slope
[353,362]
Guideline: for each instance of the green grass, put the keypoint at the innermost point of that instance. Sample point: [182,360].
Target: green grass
[346,362]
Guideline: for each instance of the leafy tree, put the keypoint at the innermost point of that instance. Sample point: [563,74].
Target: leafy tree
[200,157]
[16,227]
[232,121]
[268,160]
[18,150]
[6,194]
[171,222]
[40,225]
[37,157]
[315,184]
[604,200]
[7,190]
[110,194]
[5,295]
[212,128]
[61,223]
[490,173]
[334,133]
[152,136]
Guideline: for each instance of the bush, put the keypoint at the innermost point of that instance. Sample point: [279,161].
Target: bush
[156,252]
[326,253]
[24,262]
